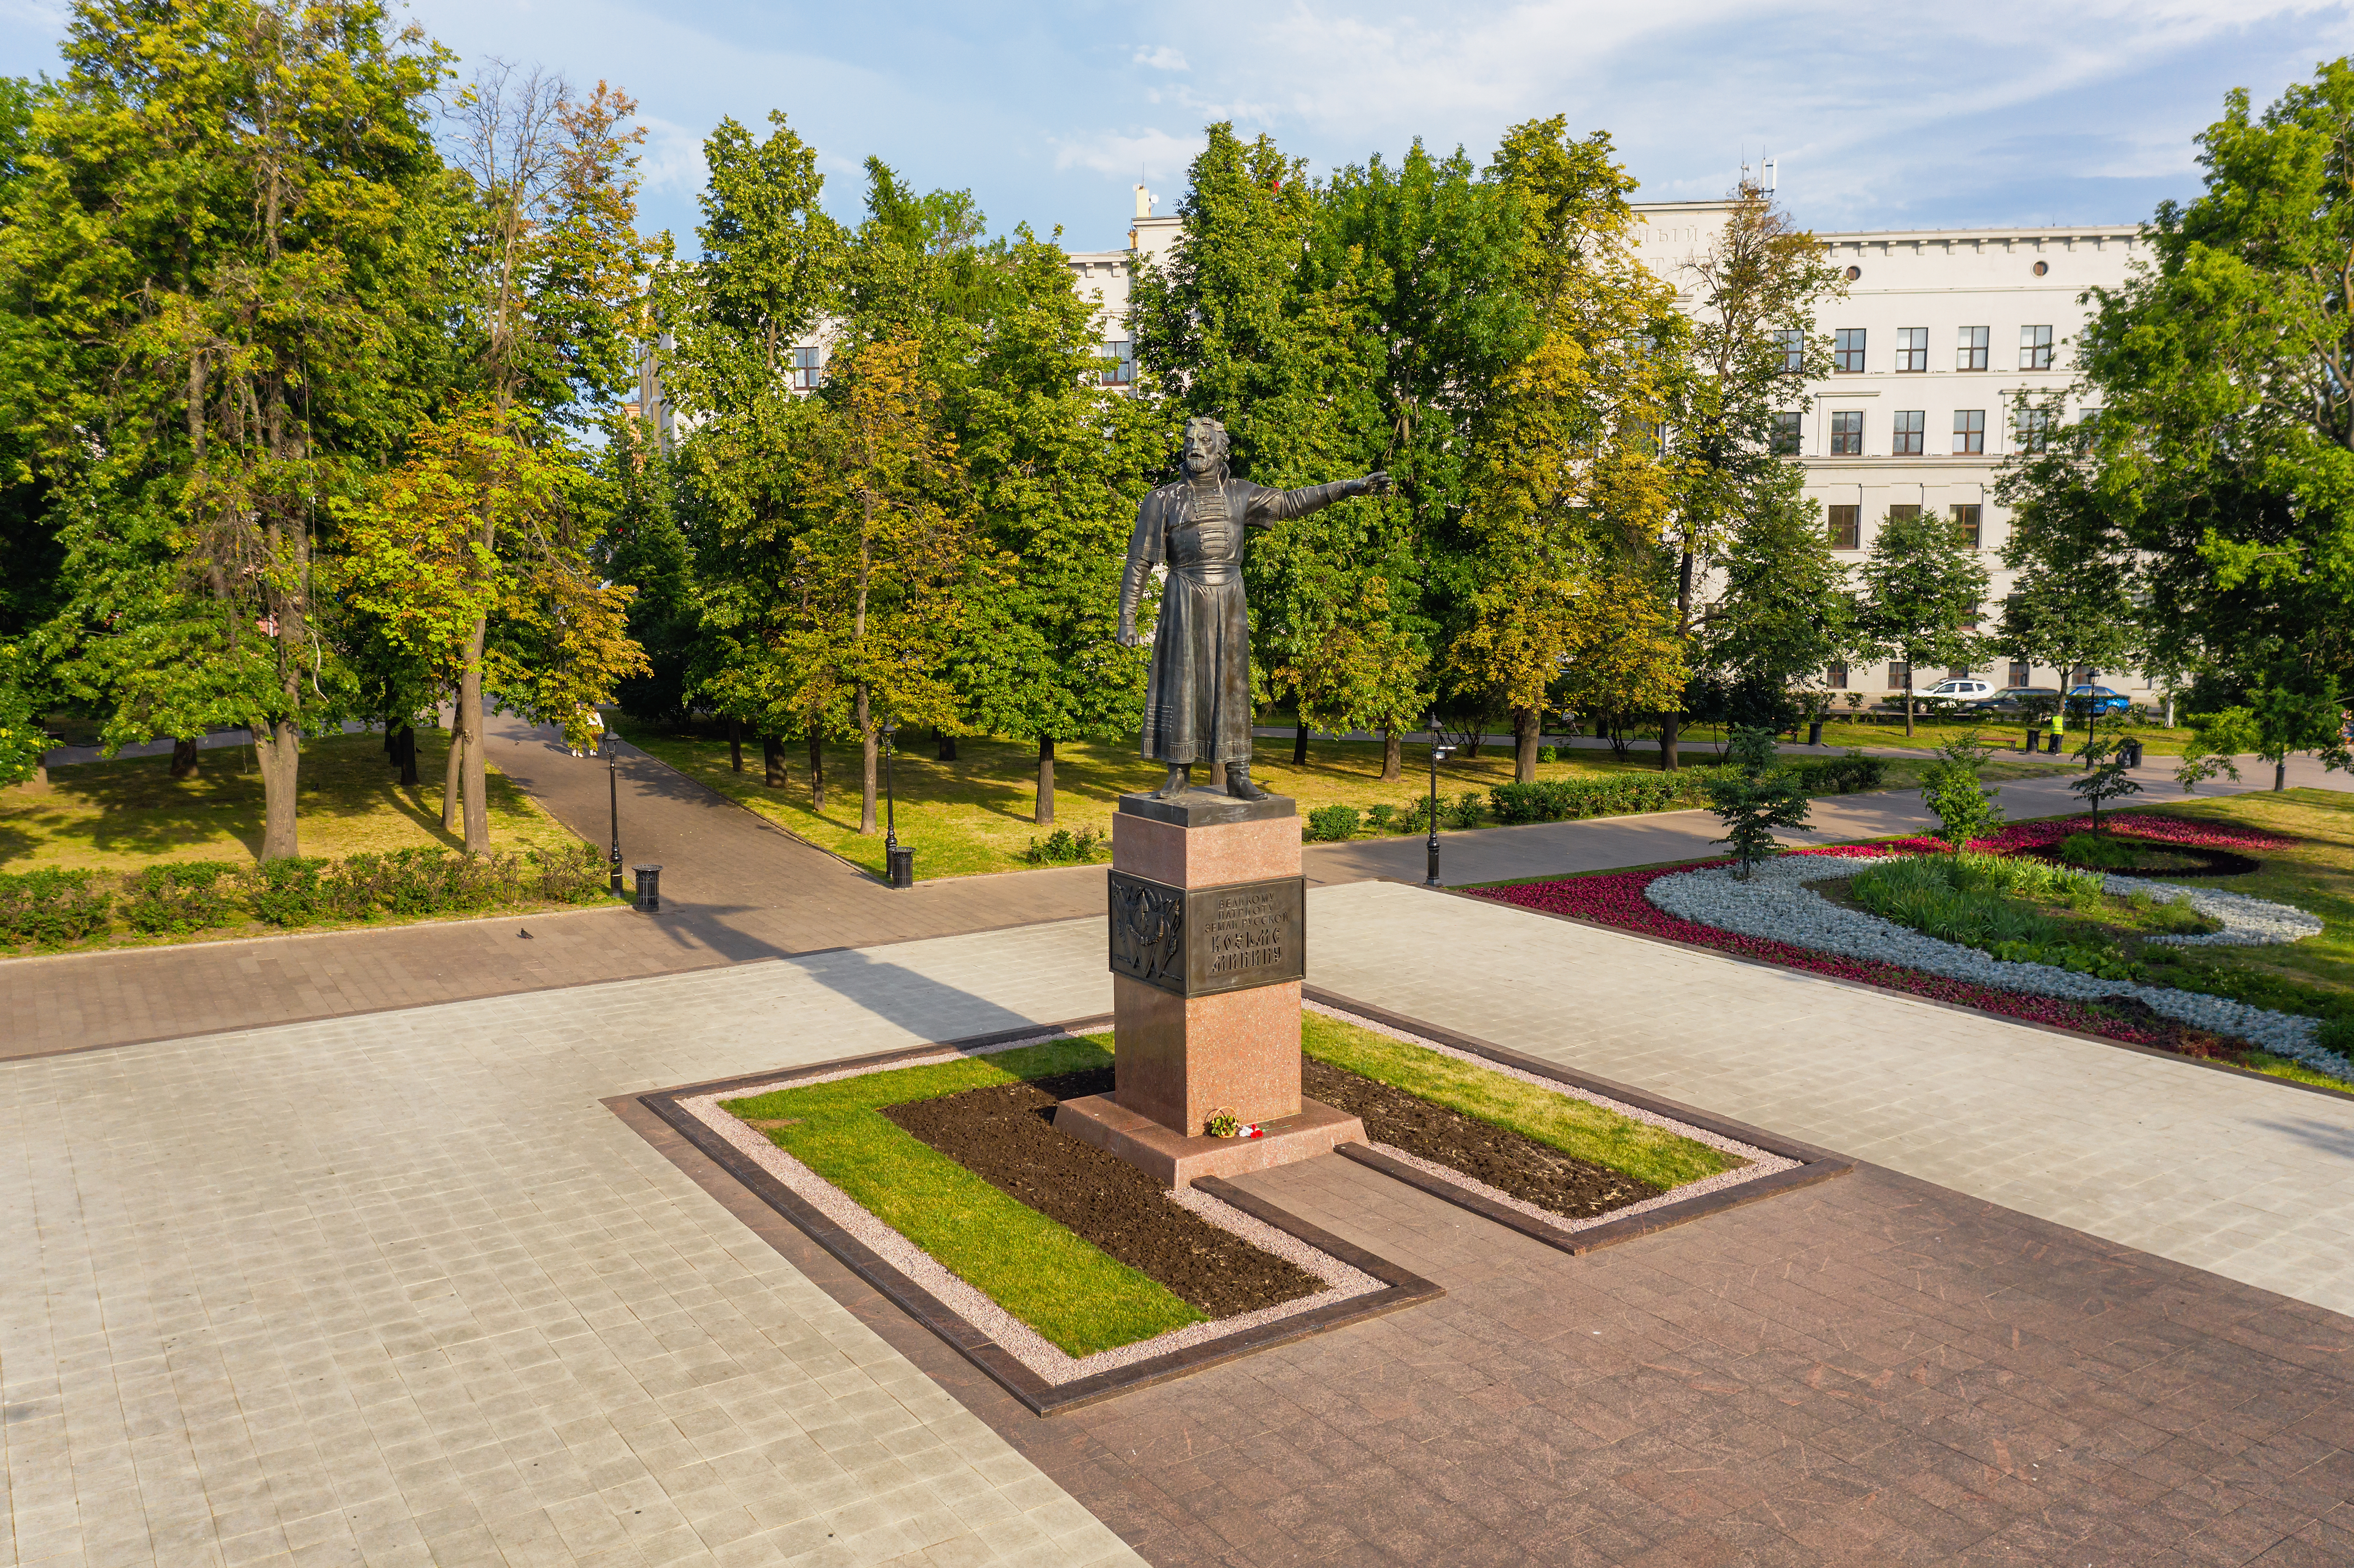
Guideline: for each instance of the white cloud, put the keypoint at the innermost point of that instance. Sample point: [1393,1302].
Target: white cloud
[1150,152]
[1161,57]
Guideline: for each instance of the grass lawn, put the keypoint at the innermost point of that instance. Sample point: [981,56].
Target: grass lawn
[974,815]
[1077,1298]
[128,813]
[1928,733]
[1575,1127]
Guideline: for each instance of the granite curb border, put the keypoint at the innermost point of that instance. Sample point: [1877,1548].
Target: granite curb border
[2159,1052]
[1401,1287]
[1813,1164]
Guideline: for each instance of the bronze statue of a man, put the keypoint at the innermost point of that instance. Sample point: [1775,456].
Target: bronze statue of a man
[1197,698]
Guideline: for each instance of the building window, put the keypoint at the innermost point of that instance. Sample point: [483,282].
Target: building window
[2035,348]
[1970,431]
[1793,342]
[1836,677]
[1899,676]
[807,363]
[1847,350]
[1847,433]
[1957,672]
[1912,348]
[1122,372]
[1846,527]
[1965,525]
[1904,511]
[1905,439]
[2021,673]
[1971,354]
[1786,434]
[2034,430]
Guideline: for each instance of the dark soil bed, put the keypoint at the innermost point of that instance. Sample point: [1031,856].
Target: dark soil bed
[2192,860]
[1508,1162]
[2173,1033]
[1005,1135]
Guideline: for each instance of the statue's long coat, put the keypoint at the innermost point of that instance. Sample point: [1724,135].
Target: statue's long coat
[1197,706]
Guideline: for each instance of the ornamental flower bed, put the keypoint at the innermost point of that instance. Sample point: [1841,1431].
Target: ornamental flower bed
[2182,831]
[1616,900]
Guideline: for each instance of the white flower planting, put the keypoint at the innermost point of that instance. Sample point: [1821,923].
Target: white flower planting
[1777,905]
[2247,922]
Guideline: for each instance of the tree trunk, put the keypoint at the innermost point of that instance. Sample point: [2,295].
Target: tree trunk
[184,758]
[407,754]
[1392,757]
[772,762]
[279,754]
[1524,745]
[2280,774]
[1300,746]
[471,782]
[1670,727]
[944,745]
[817,770]
[1908,700]
[451,773]
[736,744]
[870,753]
[1046,812]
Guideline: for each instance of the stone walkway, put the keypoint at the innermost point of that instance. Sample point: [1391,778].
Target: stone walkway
[400,1289]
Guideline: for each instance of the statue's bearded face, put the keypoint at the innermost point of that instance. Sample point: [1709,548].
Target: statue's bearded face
[1205,450]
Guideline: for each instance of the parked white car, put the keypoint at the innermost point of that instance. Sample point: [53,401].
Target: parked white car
[1961,692]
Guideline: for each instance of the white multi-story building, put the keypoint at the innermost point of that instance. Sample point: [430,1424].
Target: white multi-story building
[1941,332]
[1104,275]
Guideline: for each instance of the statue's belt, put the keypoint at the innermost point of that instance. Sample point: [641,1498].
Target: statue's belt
[1207,574]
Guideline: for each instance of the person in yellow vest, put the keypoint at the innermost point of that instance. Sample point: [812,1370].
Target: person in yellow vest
[2055,729]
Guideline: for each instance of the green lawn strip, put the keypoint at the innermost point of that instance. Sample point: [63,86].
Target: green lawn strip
[1076,1297]
[1573,1125]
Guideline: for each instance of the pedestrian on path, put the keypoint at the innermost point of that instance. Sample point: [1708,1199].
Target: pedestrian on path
[595,722]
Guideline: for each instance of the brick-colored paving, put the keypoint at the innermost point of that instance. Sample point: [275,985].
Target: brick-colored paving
[1869,1371]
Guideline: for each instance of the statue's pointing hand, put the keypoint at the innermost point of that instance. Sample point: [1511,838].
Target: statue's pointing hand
[1375,484]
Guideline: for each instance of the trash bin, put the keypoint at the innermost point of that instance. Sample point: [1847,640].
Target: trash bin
[901,866]
[648,888]
[2132,754]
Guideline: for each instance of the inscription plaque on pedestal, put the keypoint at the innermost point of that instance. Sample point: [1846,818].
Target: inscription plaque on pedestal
[1201,941]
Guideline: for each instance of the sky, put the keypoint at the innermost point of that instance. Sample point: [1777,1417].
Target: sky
[1878,115]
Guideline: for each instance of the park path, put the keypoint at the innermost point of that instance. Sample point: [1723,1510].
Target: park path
[736,889]
[402,1288]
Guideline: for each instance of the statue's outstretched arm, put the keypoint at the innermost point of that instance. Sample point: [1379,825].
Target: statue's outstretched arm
[1268,507]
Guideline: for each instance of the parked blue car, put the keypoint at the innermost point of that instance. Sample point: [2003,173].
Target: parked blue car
[2083,701]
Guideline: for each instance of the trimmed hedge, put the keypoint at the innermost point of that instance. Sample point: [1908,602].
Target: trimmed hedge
[53,908]
[1566,799]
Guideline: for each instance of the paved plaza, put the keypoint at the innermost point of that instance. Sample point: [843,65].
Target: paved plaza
[401,1288]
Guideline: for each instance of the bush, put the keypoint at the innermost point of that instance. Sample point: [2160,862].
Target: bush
[579,874]
[1330,824]
[285,892]
[1413,818]
[1565,799]
[1062,847]
[1379,817]
[172,900]
[1548,754]
[1845,774]
[51,906]
[2099,850]
[2337,1034]
[1467,810]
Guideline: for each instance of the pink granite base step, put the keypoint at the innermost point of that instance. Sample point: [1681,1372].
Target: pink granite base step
[1176,1160]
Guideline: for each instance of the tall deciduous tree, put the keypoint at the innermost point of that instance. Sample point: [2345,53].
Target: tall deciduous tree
[2224,376]
[1564,471]
[1750,352]
[551,282]
[2073,602]
[1922,588]
[1782,613]
[218,263]
[884,553]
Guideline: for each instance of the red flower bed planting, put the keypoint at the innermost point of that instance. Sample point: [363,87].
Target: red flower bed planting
[2157,829]
[1618,900]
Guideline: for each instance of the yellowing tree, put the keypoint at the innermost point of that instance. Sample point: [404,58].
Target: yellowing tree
[884,553]
[1565,471]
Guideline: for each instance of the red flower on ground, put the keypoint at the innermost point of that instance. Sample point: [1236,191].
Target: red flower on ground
[2158,829]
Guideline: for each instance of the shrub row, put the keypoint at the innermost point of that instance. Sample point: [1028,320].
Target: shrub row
[1565,800]
[56,908]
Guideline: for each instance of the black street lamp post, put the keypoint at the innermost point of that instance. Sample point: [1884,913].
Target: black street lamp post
[612,746]
[1438,754]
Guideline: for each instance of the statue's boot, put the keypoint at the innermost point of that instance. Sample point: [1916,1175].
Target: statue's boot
[1181,778]
[1240,785]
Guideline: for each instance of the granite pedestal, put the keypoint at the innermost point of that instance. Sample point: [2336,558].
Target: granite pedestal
[1207,911]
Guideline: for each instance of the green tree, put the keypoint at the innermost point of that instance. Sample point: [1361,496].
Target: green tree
[883,556]
[1951,788]
[1755,796]
[1783,614]
[217,259]
[2224,443]
[1750,350]
[1058,463]
[2073,603]
[1921,587]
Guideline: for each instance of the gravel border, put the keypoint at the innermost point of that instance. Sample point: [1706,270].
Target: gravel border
[1775,904]
[1756,1162]
[2248,921]
[1342,1282]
